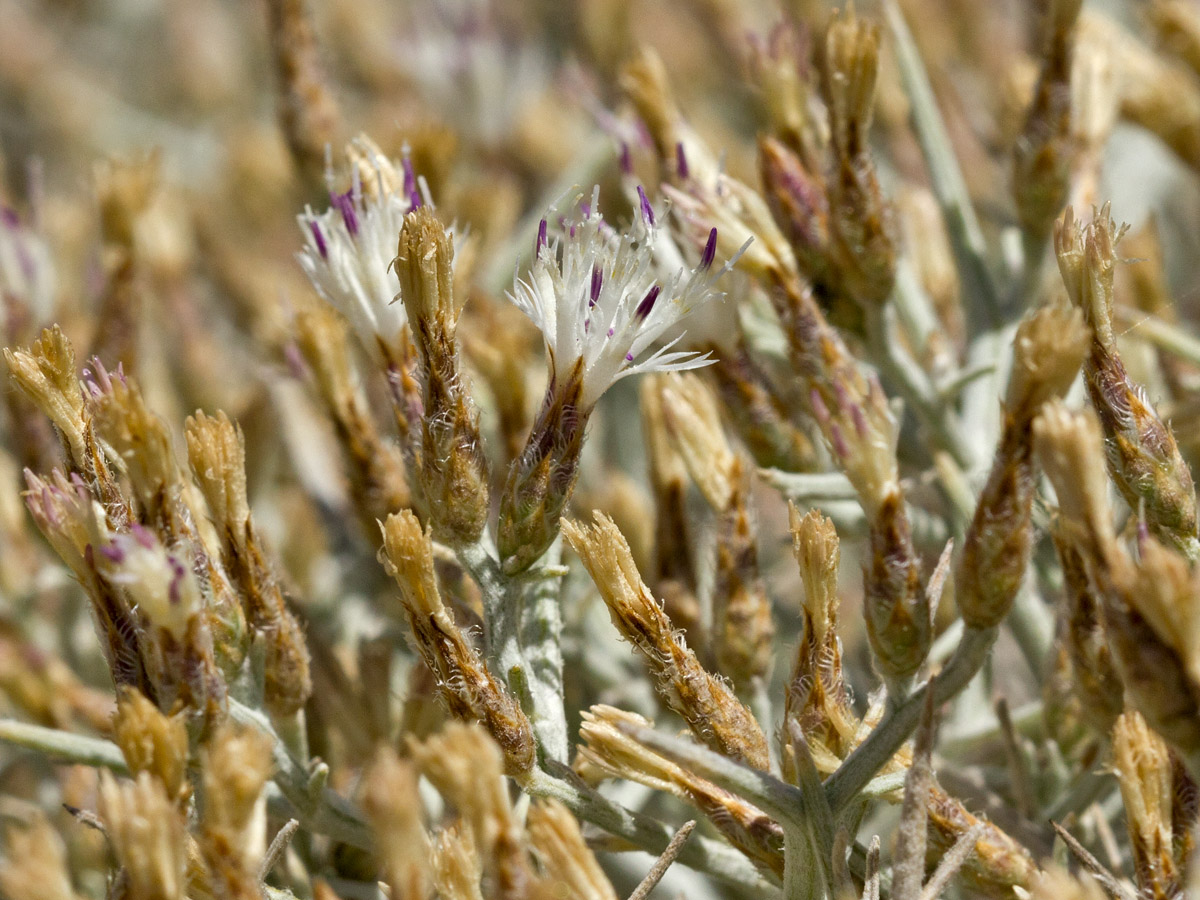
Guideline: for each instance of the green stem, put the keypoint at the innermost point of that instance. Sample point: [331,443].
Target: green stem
[64,746]
[318,808]
[541,640]
[713,857]
[900,721]
[981,298]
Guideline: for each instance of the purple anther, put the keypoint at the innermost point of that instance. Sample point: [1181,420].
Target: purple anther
[647,209]
[113,553]
[842,395]
[541,239]
[817,402]
[48,508]
[597,284]
[142,535]
[414,200]
[647,304]
[681,165]
[177,574]
[840,447]
[626,159]
[710,251]
[315,227]
[628,357]
[860,420]
[344,203]
[410,177]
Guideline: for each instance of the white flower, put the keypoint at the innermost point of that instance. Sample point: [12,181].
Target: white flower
[601,297]
[349,247]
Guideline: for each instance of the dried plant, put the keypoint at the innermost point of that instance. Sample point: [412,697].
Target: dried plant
[407,409]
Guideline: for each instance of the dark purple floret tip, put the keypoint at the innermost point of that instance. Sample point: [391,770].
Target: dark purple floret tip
[320,239]
[710,250]
[647,209]
[681,163]
[597,284]
[647,304]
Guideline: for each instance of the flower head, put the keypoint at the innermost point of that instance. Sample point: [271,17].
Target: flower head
[349,247]
[602,298]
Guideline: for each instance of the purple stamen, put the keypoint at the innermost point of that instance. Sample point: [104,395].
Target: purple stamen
[820,410]
[681,164]
[315,227]
[345,205]
[628,357]
[113,553]
[541,240]
[838,440]
[597,284]
[626,159]
[647,209]
[611,332]
[860,420]
[414,200]
[647,304]
[410,177]
[710,251]
[142,535]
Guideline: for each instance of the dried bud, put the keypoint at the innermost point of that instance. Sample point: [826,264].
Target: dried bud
[393,809]
[374,467]
[861,218]
[758,413]
[816,695]
[1055,883]
[34,865]
[609,747]
[1045,150]
[308,112]
[1147,784]
[571,867]
[1153,623]
[46,373]
[236,764]
[674,577]
[780,69]
[899,625]
[466,766]
[1048,350]
[467,686]
[454,474]
[152,741]
[998,864]
[542,479]
[798,199]
[706,703]
[1070,447]
[457,869]
[1177,25]
[742,628]
[217,454]
[693,421]
[644,81]
[147,834]
[1094,674]
[1143,457]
